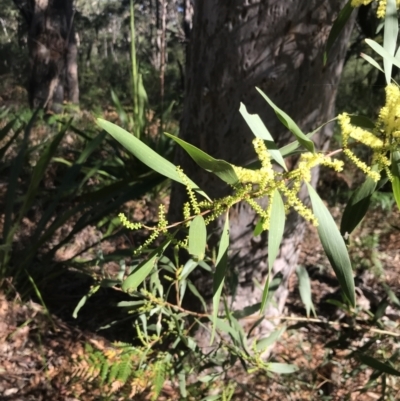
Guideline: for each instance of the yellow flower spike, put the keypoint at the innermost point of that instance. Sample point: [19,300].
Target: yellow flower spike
[246,175]
[366,138]
[162,220]
[381,10]
[294,202]
[257,208]
[189,190]
[306,163]
[186,212]
[361,165]
[263,155]
[127,224]
[267,217]
[153,236]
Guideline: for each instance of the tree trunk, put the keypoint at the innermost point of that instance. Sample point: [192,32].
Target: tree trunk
[52,52]
[72,82]
[234,47]
[187,17]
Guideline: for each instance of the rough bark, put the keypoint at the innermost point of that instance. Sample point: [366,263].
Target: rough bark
[234,47]
[72,82]
[52,52]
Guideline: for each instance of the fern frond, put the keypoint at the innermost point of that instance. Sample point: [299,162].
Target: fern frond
[125,370]
[160,370]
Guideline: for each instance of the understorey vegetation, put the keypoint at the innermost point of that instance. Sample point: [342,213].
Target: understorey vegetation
[138,262]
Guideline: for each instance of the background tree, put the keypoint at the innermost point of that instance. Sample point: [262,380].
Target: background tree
[52,52]
[277,46]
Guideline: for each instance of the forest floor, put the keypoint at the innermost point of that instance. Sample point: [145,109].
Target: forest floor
[40,348]
[39,351]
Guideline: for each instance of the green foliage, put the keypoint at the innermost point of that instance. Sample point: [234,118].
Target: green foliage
[337,27]
[115,181]
[151,284]
[305,290]
[160,287]
[123,368]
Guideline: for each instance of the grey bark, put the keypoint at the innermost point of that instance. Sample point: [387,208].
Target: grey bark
[234,47]
[187,17]
[52,52]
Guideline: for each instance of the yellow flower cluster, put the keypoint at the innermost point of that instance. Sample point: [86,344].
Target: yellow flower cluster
[162,227]
[383,140]
[288,183]
[126,223]
[192,197]
[310,160]
[381,10]
[292,200]
[254,185]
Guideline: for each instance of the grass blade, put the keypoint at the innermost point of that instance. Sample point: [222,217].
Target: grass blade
[378,365]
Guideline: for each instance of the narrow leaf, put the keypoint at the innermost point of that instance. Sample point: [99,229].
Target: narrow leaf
[290,124]
[197,237]
[276,227]
[337,27]
[7,128]
[392,296]
[361,121]
[371,61]
[143,269]
[224,327]
[190,265]
[258,229]
[378,365]
[281,368]
[12,185]
[219,275]
[247,311]
[196,293]
[83,300]
[91,146]
[182,384]
[269,289]
[382,52]
[40,169]
[145,154]
[275,235]
[292,147]
[395,169]
[220,168]
[263,344]
[305,289]
[357,206]
[120,110]
[391,30]
[260,131]
[334,246]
